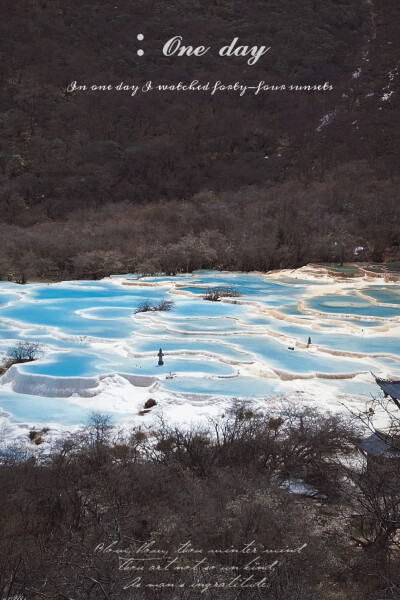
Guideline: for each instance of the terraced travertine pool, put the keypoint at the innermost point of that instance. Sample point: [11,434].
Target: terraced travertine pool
[100,353]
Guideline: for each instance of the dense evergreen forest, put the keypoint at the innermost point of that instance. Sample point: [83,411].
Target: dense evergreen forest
[93,183]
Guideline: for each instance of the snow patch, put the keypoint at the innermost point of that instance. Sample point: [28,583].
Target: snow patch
[50,386]
[326,120]
[386,96]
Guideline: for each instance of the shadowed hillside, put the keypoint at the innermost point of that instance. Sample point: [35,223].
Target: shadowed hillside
[99,182]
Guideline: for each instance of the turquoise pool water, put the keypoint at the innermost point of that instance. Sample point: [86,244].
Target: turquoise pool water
[384,295]
[239,387]
[91,328]
[350,305]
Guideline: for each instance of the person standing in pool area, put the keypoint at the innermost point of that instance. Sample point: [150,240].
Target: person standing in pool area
[160,357]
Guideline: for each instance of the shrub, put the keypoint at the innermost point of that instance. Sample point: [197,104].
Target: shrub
[147,306]
[215,294]
[164,305]
[25,352]
[36,437]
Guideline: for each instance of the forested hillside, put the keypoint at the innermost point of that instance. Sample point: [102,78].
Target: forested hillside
[98,182]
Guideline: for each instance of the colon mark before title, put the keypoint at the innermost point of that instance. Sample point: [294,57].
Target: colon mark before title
[174,46]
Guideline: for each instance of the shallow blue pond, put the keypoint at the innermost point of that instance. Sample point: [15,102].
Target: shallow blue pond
[384,294]
[84,364]
[91,328]
[35,409]
[246,387]
[300,361]
[350,305]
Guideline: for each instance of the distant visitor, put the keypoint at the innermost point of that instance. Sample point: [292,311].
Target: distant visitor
[160,357]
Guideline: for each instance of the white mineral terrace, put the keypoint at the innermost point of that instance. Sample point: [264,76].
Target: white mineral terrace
[99,354]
